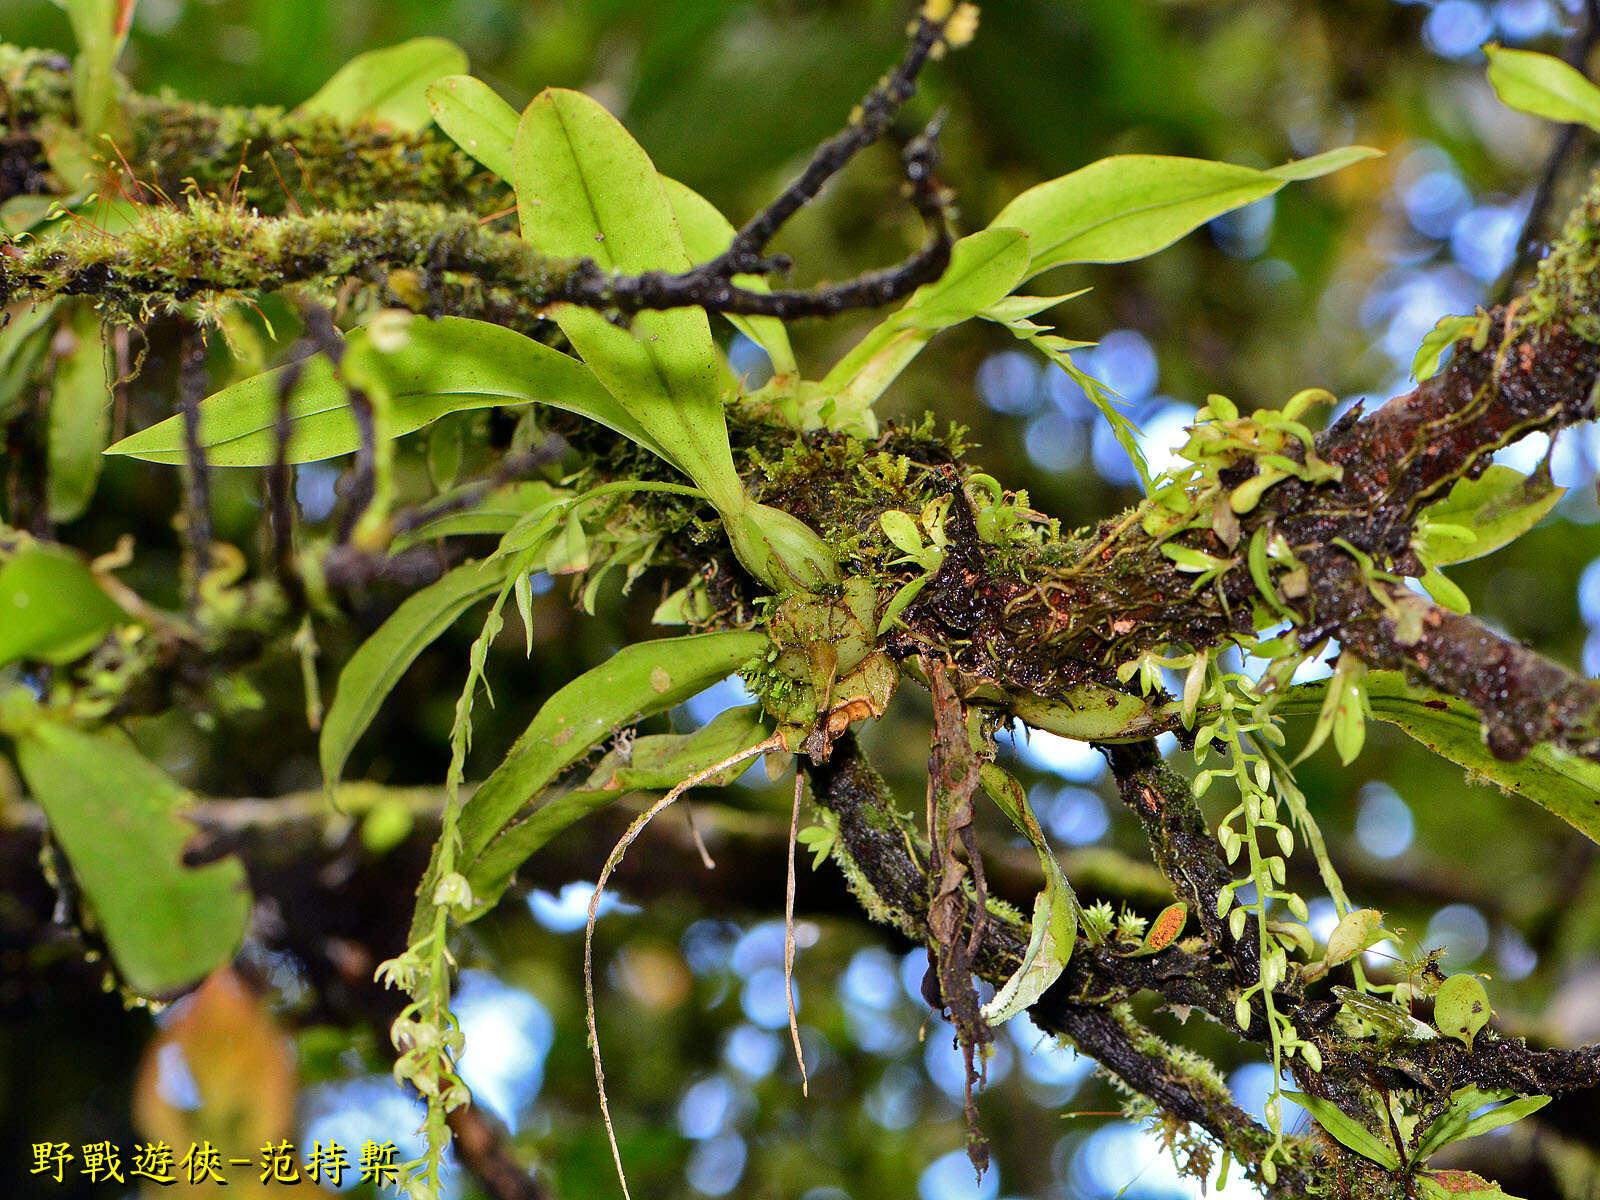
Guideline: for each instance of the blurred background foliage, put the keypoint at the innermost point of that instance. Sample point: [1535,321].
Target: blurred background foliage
[1329,284]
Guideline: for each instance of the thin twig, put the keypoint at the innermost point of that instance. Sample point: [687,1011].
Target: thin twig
[196,481]
[483,1151]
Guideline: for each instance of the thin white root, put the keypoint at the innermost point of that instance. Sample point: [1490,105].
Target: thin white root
[699,842]
[788,936]
[617,851]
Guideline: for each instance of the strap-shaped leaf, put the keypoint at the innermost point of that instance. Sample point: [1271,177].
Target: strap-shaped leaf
[1481,515]
[644,678]
[119,819]
[374,669]
[476,119]
[660,762]
[1348,1130]
[1132,205]
[1563,784]
[637,681]
[80,419]
[496,513]
[485,126]
[984,269]
[101,29]
[51,608]
[1457,1122]
[586,189]
[1543,85]
[388,86]
[444,366]
[1055,911]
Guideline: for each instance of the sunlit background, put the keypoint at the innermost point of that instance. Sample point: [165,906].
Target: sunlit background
[1329,284]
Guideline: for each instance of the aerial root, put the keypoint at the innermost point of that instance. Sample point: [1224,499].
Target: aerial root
[774,742]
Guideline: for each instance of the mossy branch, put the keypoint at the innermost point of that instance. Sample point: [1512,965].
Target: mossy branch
[266,159]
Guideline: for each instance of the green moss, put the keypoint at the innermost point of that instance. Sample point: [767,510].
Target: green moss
[264,159]
[212,251]
[1567,290]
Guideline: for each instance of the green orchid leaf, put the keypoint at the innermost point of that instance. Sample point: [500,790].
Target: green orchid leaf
[1326,163]
[1440,338]
[637,681]
[1349,1131]
[497,513]
[1132,205]
[1506,1114]
[101,29]
[1458,1123]
[51,608]
[374,669]
[485,126]
[1496,508]
[388,86]
[586,189]
[80,419]
[119,819]
[1566,786]
[1543,85]
[474,117]
[706,234]
[662,760]
[1054,929]
[1090,713]
[23,345]
[430,369]
[984,268]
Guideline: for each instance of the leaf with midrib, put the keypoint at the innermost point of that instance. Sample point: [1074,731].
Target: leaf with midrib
[639,680]
[660,761]
[485,126]
[586,189]
[984,268]
[444,366]
[388,85]
[1348,1130]
[474,116]
[1132,205]
[374,669]
[706,234]
[1559,782]
[119,819]
[1543,85]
